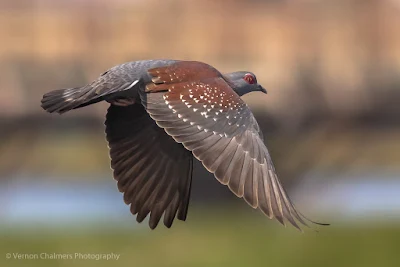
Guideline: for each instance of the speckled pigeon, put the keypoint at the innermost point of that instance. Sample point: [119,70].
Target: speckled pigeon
[165,112]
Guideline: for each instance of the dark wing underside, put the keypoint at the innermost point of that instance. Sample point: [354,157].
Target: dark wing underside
[223,135]
[152,170]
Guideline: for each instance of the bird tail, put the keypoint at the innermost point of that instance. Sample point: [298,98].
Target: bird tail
[63,100]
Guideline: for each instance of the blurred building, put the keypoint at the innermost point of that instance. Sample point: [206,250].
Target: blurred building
[340,57]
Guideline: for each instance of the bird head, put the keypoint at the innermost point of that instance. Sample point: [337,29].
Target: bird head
[243,82]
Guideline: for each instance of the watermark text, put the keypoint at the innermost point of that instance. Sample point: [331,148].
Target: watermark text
[63,256]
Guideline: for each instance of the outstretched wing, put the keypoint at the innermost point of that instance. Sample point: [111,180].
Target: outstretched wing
[152,170]
[213,122]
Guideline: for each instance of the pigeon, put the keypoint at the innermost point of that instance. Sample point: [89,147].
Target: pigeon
[165,113]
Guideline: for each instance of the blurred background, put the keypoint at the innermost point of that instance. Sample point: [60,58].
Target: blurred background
[331,120]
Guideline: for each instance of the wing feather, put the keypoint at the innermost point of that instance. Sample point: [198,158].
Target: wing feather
[227,140]
[152,170]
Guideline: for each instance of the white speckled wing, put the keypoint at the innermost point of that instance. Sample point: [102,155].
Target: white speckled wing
[213,122]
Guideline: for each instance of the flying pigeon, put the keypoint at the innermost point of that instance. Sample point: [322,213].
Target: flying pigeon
[165,112]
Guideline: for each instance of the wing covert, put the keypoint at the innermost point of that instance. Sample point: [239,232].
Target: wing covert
[213,122]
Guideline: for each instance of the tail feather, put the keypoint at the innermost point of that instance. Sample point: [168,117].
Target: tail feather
[63,100]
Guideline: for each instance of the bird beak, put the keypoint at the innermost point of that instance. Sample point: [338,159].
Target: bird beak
[262,89]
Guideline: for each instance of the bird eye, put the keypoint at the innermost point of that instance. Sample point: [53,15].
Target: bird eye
[249,78]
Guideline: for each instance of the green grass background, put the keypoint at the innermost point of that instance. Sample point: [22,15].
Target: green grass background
[209,239]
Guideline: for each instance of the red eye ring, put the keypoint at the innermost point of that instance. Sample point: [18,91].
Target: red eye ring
[249,78]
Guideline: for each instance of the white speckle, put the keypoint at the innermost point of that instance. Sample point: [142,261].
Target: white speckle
[179,116]
[216,113]
[215,119]
[132,85]
[195,109]
[181,96]
[191,123]
[169,106]
[191,96]
[199,127]
[206,130]
[185,120]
